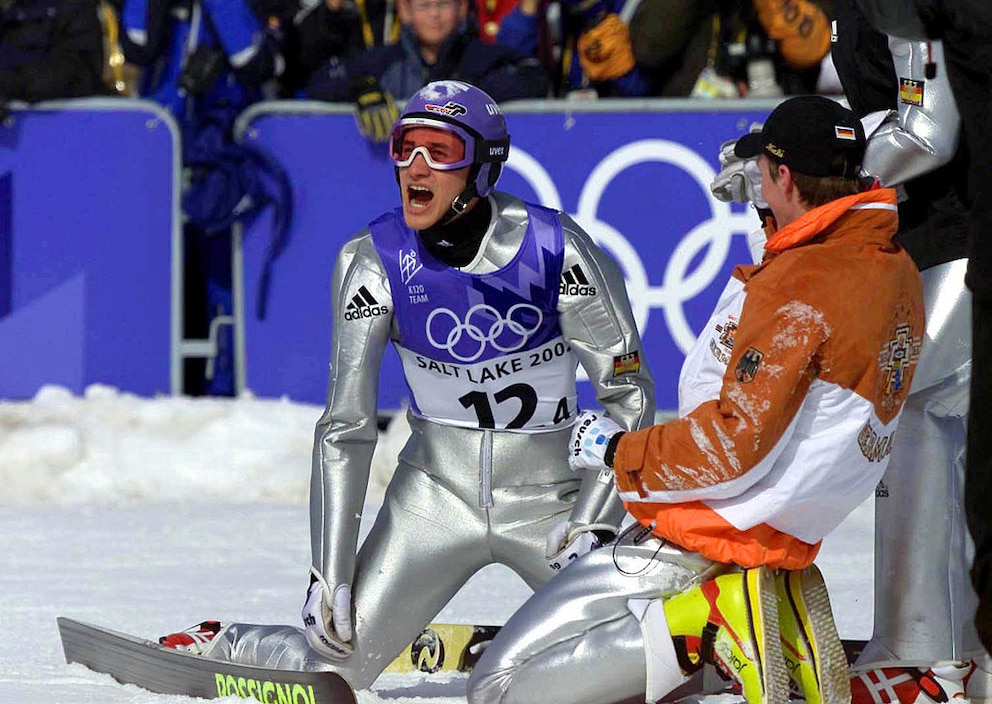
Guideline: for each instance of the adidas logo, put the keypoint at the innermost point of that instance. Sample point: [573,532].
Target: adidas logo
[363,305]
[574,283]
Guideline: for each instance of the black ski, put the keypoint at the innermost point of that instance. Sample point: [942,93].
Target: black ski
[132,660]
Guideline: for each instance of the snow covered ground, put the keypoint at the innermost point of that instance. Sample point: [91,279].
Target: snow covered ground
[149,515]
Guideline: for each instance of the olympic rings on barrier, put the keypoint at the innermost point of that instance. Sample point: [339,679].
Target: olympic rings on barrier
[698,258]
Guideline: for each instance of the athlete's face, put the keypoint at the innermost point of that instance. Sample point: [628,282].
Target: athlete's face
[427,193]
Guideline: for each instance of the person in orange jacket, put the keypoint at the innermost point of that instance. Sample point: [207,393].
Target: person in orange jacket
[788,404]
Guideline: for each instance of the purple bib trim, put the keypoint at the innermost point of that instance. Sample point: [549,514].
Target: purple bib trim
[456,317]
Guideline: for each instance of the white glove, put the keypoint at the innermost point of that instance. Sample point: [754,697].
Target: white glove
[568,541]
[739,180]
[591,434]
[334,644]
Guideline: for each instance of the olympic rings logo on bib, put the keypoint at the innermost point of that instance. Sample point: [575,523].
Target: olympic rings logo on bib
[507,334]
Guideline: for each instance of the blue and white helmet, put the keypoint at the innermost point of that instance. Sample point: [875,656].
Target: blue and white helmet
[470,114]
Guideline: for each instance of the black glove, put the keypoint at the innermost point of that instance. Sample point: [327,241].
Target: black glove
[375,111]
[202,69]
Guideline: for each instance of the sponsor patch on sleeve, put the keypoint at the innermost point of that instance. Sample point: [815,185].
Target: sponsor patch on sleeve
[364,305]
[629,363]
[911,92]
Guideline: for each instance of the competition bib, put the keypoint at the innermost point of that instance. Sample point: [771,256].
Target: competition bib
[532,390]
[482,350]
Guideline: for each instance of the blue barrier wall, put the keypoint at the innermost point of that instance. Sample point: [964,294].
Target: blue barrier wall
[636,179]
[88,219]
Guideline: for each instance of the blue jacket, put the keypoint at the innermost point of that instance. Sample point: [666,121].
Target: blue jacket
[503,73]
[163,35]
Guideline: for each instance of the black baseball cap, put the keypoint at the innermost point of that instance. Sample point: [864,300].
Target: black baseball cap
[810,134]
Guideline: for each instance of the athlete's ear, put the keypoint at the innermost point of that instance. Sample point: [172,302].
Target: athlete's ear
[785,177]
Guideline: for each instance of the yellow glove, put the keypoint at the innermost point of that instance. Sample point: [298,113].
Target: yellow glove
[375,111]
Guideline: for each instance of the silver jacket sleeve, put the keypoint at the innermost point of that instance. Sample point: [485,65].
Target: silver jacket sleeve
[346,433]
[919,138]
[600,327]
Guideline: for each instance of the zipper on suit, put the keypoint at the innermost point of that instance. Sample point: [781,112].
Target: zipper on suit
[486,470]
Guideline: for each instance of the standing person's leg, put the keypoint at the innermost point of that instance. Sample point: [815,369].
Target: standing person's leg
[923,601]
[196,317]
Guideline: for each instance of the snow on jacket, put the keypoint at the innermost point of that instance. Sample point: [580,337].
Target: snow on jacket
[791,395]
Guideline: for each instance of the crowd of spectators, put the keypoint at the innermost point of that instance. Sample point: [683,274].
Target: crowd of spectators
[205,61]
[339,50]
[336,50]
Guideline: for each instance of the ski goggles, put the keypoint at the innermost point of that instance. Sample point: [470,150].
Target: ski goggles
[443,145]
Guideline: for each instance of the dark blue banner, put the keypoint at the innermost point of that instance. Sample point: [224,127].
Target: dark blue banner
[637,181]
[87,218]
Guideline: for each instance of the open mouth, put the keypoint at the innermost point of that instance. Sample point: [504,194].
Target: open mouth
[419,196]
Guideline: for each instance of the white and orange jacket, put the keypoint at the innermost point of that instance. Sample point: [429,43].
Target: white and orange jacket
[790,396]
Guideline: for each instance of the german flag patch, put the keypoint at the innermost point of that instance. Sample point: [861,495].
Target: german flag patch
[847,133]
[911,92]
[629,363]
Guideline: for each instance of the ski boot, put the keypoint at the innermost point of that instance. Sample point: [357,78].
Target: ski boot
[196,640]
[732,622]
[811,647]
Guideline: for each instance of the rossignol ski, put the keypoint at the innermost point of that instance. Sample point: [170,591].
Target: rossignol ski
[132,660]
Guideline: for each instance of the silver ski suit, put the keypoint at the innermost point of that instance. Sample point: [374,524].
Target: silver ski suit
[461,498]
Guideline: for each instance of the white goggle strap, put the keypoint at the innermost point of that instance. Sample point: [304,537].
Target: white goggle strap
[423,151]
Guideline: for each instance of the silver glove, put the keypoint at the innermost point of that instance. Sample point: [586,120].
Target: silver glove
[739,180]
